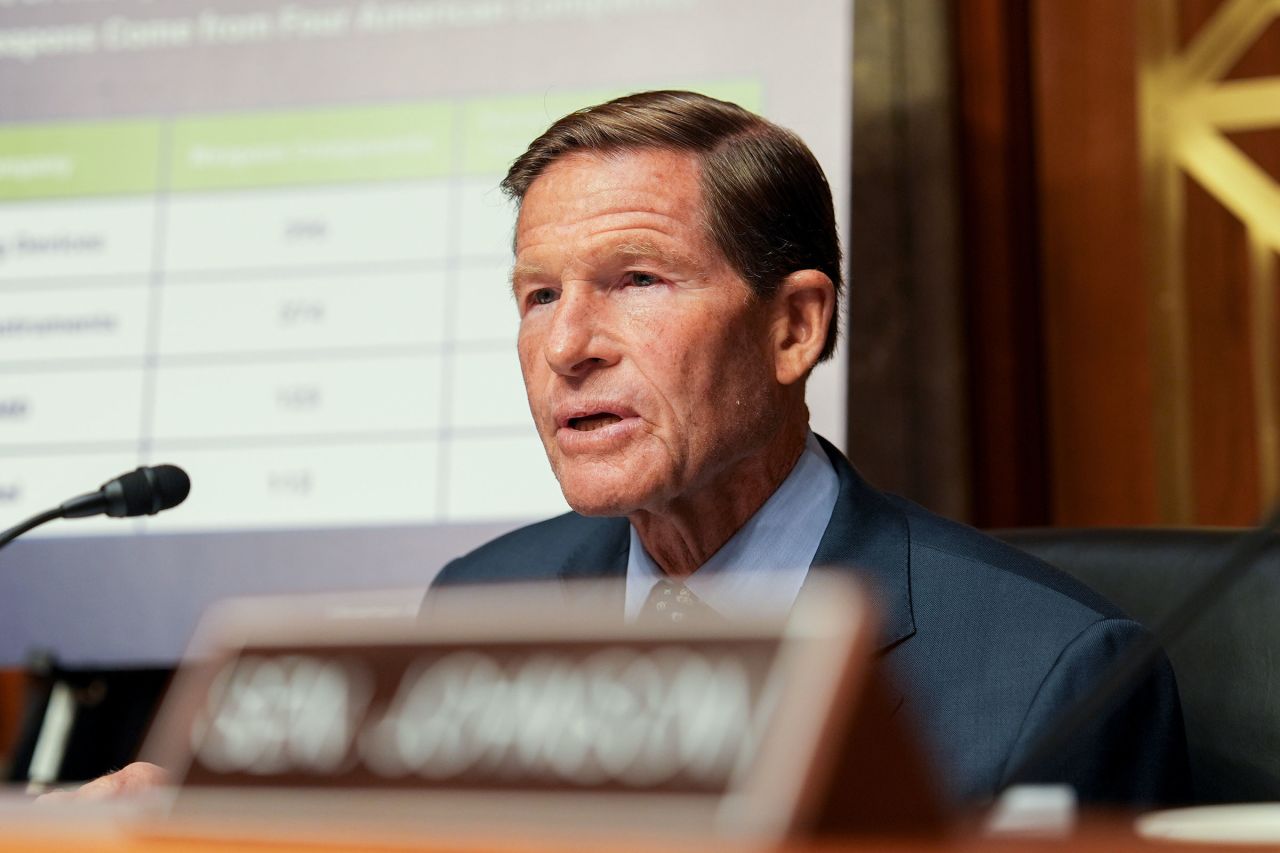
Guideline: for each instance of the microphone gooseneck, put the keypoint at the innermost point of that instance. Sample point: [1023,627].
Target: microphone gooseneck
[144,491]
[34,521]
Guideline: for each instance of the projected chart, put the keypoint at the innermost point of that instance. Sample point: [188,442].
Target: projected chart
[263,240]
[307,310]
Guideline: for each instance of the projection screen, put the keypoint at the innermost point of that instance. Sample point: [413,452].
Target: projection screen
[264,241]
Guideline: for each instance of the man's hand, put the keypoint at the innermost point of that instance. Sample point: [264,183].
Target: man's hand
[134,779]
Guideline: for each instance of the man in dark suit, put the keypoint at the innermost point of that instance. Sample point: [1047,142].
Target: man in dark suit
[677,274]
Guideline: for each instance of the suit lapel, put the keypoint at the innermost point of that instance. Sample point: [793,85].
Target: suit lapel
[600,557]
[868,535]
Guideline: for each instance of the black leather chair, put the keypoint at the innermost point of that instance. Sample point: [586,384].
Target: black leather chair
[1227,664]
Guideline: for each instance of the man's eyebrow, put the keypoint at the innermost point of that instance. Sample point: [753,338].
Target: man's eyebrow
[641,250]
[521,270]
[646,251]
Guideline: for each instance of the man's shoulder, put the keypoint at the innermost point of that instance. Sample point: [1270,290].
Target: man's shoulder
[949,571]
[951,558]
[1003,644]
[540,551]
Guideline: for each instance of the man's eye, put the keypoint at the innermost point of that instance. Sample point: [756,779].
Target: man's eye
[643,279]
[542,296]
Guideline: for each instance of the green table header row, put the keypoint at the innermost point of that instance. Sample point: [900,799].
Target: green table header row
[395,142]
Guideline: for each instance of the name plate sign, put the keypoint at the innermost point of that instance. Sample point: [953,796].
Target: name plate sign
[503,716]
[515,705]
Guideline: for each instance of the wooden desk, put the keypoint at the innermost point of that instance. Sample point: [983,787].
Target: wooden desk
[98,832]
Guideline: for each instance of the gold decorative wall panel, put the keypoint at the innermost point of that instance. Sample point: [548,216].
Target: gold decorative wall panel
[1187,108]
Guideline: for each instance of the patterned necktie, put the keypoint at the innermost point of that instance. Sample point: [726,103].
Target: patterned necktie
[672,603]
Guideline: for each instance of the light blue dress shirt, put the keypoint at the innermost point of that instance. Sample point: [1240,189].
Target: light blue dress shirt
[758,573]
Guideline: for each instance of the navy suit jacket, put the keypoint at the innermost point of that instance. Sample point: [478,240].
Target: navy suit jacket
[986,644]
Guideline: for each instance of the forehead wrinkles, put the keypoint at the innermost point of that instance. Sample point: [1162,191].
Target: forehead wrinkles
[584,185]
[637,207]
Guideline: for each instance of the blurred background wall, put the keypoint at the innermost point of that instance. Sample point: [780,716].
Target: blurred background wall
[1066,219]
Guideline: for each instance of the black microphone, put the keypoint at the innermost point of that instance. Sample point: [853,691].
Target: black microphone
[146,491]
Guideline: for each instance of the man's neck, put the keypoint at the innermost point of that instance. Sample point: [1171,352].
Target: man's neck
[687,532]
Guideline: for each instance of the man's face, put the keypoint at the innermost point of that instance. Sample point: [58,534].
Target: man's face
[645,357]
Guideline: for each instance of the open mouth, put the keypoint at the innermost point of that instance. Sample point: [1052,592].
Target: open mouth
[587,423]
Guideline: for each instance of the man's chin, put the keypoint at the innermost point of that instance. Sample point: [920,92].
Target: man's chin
[598,499]
[599,508]
[614,487]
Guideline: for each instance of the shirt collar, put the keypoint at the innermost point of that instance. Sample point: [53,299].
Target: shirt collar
[759,571]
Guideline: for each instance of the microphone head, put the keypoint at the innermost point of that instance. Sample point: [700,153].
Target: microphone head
[146,491]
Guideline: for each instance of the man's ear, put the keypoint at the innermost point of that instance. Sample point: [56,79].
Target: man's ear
[803,307]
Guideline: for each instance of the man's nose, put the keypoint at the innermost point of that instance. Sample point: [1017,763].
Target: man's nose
[578,341]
